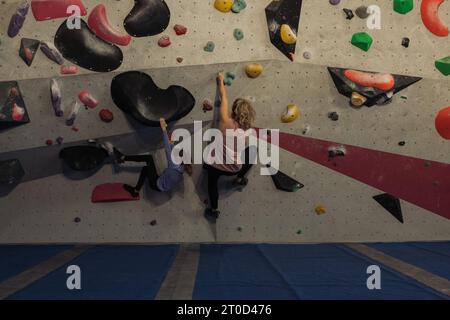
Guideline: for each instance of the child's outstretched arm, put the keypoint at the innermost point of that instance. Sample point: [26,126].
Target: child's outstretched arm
[167,144]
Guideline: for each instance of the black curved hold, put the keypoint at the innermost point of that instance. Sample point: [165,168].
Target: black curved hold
[11,172]
[147,18]
[136,94]
[84,48]
[83,158]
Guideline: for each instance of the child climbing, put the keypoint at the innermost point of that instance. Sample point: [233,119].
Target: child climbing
[242,117]
[170,178]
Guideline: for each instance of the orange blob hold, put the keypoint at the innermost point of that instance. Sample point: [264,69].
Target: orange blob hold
[381,81]
[443,123]
[430,17]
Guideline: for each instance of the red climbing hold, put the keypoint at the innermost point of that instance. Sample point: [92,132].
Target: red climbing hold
[164,41]
[53,9]
[430,17]
[381,81]
[17,113]
[111,192]
[106,115]
[99,24]
[443,123]
[180,30]
[87,99]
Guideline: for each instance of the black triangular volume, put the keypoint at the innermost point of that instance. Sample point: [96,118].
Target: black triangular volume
[13,111]
[28,49]
[391,204]
[281,12]
[373,95]
[285,183]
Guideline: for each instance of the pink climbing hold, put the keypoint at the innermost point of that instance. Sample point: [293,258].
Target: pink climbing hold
[54,9]
[69,70]
[87,99]
[17,112]
[164,41]
[180,30]
[99,24]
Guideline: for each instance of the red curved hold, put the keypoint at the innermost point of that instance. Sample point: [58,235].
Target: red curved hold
[54,9]
[99,24]
[381,81]
[87,99]
[443,123]
[430,17]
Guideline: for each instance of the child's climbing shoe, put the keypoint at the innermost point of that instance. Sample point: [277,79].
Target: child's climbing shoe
[212,215]
[131,190]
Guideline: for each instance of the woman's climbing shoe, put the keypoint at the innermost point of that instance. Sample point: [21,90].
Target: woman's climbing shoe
[240,182]
[131,190]
[211,215]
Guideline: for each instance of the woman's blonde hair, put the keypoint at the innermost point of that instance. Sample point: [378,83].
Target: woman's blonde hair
[243,113]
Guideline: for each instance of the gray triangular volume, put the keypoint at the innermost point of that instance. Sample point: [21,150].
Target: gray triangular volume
[391,204]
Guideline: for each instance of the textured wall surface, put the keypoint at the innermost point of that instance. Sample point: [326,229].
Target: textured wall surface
[42,208]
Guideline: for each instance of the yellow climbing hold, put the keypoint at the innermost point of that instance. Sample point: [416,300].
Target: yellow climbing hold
[357,99]
[223,5]
[320,210]
[254,70]
[292,114]
[287,35]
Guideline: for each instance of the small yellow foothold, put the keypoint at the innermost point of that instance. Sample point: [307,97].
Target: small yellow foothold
[320,210]
[292,114]
[223,5]
[287,35]
[357,100]
[254,70]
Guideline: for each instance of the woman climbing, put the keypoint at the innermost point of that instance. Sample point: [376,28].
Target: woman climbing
[242,117]
[170,178]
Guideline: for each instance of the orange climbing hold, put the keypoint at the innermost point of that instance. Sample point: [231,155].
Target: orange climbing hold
[381,81]
[443,123]
[430,17]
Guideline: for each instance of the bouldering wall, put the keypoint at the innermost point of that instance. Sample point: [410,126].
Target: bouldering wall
[388,149]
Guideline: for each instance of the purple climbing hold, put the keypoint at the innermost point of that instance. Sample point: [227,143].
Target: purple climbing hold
[51,52]
[335,2]
[18,19]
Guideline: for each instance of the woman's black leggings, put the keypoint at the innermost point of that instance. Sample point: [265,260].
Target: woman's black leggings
[214,175]
[148,172]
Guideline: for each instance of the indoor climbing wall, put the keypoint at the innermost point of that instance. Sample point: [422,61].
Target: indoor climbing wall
[350,160]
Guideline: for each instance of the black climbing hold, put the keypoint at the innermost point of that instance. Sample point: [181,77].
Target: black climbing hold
[402,143]
[391,204]
[13,111]
[349,14]
[28,49]
[83,158]
[147,18]
[285,183]
[281,12]
[136,94]
[153,223]
[85,49]
[77,220]
[11,172]
[362,12]
[334,116]
[374,96]
[405,42]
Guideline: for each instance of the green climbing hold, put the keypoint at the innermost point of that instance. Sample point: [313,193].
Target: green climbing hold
[403,6]
[209,46]
[238,6]
[299,232]
[443,65]
[362,40]
[238,34]
[228,79]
